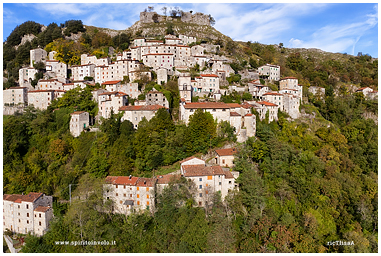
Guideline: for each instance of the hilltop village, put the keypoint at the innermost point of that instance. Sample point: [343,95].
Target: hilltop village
[115,83]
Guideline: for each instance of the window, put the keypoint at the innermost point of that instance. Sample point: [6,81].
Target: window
[137,188]
[147,189]
[200,194]
[200,187]
[27,206]
[27,214]
[147,202]
[138,203]
[137,196]
[199,203]
[120,201]
[116,186]
[230,182]
[147,196]
[116,194]
[27,222]
[39,223]
[210,177]
[39,215]
[200,179]
[219,183]
[124,195]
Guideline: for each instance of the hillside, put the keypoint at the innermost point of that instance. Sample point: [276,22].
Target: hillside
[304,183]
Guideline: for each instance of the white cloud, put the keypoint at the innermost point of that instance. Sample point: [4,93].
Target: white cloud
[61,9]
[338,37]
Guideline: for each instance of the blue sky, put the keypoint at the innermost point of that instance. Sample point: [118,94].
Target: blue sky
[340,27]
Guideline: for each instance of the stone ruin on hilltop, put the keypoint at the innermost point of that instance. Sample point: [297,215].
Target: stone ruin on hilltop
[188,17]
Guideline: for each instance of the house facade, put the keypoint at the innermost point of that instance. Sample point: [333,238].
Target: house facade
[25,214]
[15,96]
[79,121]
[270,71]
[136,113]
[225,157]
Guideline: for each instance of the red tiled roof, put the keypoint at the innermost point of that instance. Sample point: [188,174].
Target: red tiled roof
[122,180]
[290,77]
[208,75]
[77,112]
[41,91]
[246,105]
[249,115]
[200,170]
[228,175]
[141,108]
[145,182]
[165,179]
[182,100]
[272,93]
[116,93]
[234,114]
[207,105]
[48,80]
[362,88]
[233,105]
[31,197]
[226,151]
[111,82]
[267,103]
[69,84]
[42,208]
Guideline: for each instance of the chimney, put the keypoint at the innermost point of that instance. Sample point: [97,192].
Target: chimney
[145,182]
[130,176]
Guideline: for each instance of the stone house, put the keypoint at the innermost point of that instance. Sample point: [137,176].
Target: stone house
[258,90]
[274,97]
[291,83]
[368,92]
[25,214]
[156,98]
[131,89]
[170,39]
[272,72]
[111,101]
[37,55]
[41,99]
[159,60]
[56,69]
[192,160]
[208,180]
[50,84]
[225,157]
[185,87]
[162,75]
[162,181]
[219,110]
[82,71]
[92,59]
[79,121]
[197,50]
[15,96]
[26,75]
[96,93]
[130,194]
[185,40]
[207,83]
[135,114]
[263,106]
[291,104]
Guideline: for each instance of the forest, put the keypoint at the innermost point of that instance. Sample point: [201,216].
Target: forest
[303,183]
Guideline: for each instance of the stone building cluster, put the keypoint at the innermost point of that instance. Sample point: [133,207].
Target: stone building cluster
[135,194]
[25,214]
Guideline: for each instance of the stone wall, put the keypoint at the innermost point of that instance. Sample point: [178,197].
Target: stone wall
[197,18]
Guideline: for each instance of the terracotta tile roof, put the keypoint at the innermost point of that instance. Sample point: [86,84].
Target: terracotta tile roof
[111,82]
[41,91]
[290,77]
[112,93]
[69,84]
[17,198]
[200,170]
[249,115]
[189,158]
[208,75]
[48,80]
[141,108]
[145,182]
[272,93]
[234,114]
[246,105]
[165,179]
[226,151]
[362,89]
[182,100]
[228,175]
[207,105]
[42,208]
[233,105]
[122,180]
[267,103]
[78,112]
